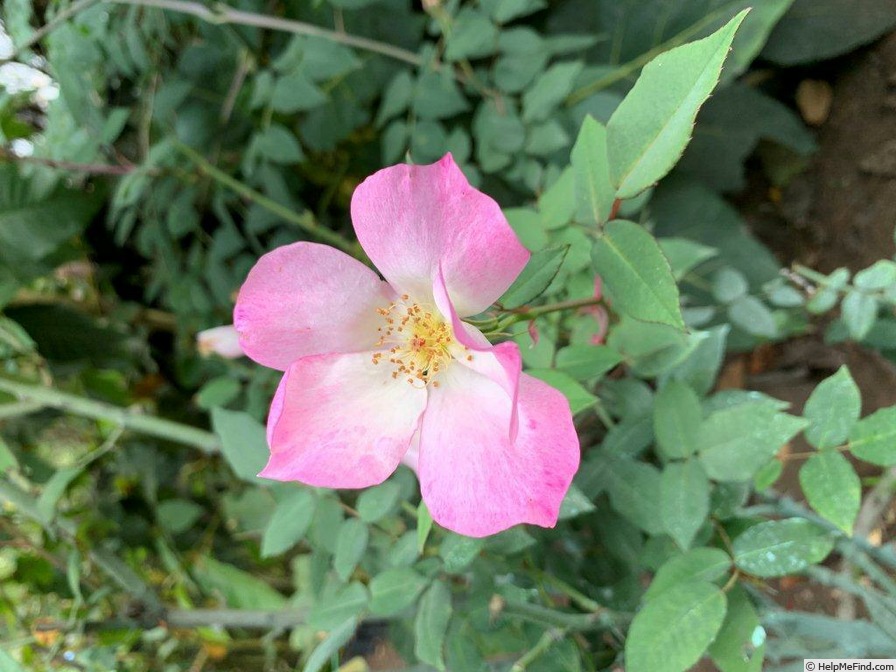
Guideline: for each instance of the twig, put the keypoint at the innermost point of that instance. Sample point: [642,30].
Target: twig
[784,506]
[601,620]
[221,14]
[128,419]
[304,221]
[873,508]
[548,639]
[18,408]
[90,168]
[249,619]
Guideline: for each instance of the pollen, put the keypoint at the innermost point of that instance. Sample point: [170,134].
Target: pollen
[415,340]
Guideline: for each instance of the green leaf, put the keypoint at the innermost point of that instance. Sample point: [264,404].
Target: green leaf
[578,397]
[457,552]
[394,590]
[734,443]
[873,439]
[636,275]
[34,223]
[816,30]
[684,255]
[336,604]
[634,490]
[676,420]
[768,474]
[832,410]
[9,664]
[729,284]
[549,90]
[673,630]
[594,192]
[472,35]
[396,97]
[424,525]
[880,275]
[751,315]
[178,515]
[295,92]
[240,589]
[327,649]
[738,646]
[684,500]
[244,442]
[437,96]
[277,144]
[374,503]
[461,648]
[546,138]
[698,564]
[575,503]
[218,391]
[832,488]
[535,278]
[557,203]
[859,312]
[350,546]
[585,362]
[781,547]
[507,10]
[651,127]
[526,224]
[431,624]
[290,521]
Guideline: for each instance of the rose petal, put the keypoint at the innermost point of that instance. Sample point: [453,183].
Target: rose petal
[409,219]
[339,421]
[501,363]
[308,299]
[473,478]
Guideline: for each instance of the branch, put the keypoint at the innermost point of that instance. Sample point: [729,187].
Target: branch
[779,505]
[128,419]
[248,619]
[873,508]
[91,168]
[220,13]
[304,221]
[599,620]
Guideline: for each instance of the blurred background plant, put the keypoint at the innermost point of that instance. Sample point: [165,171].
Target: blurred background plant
[151,150]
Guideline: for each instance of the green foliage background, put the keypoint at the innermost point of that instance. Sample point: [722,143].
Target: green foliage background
[188,139]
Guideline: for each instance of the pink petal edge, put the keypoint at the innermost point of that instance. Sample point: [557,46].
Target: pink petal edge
[339,421]
[474,479]
[308,299]
[409,219]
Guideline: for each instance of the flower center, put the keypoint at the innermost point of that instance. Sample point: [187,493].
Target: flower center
[419,342]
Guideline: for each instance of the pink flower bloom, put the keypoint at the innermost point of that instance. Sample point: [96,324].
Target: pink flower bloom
[379,372]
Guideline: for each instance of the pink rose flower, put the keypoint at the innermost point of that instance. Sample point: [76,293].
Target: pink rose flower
[379,372]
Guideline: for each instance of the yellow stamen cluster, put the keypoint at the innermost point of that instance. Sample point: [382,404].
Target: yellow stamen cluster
[419,342]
